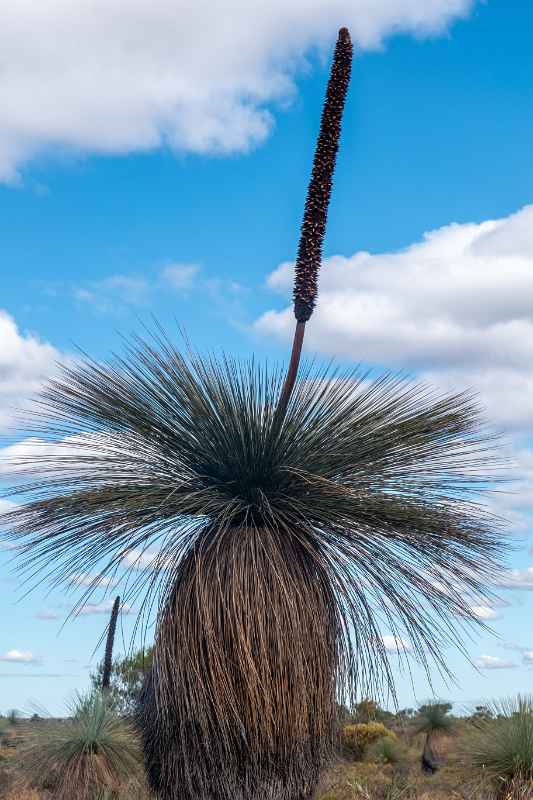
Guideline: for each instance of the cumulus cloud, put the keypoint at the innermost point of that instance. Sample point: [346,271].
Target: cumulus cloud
[395,644]
[516,579]
[117,290]
[198,77]
[139,559]
[25,363]
[20,657]
[88,609]
[94,581]
[136,558]
[47,615]
[38,675]
[494,662]
[454,308]
[34,457]
[485,613]
[5,506]
[113,294]
[21,457]
[515,646]
[180,276]
[458,298]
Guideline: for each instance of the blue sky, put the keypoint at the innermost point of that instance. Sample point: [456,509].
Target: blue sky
[172,184]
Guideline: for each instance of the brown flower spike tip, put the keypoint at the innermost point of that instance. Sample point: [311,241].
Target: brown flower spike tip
[319,191]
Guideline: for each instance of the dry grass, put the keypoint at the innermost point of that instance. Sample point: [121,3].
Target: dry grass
[403,780]
[23,794]
[345,780]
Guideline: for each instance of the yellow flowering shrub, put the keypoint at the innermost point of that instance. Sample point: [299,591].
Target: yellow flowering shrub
[356,738]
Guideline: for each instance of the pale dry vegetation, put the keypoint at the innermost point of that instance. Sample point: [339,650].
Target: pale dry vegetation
[487,756]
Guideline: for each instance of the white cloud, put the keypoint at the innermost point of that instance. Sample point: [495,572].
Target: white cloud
[114,78]
[395,644]
[110,295]
[139,559]
[104,295]
[5,506]
[34,456]
[143,559]
[180,276]
[94,581]
[22,456]
[455,298]
[503,390]
[454,308]
[485,613]
[515,646]
[38,675]
[494,662]
[20,657]
[516,579]
[102,608]
[25,363]
[47,615]
[528,657]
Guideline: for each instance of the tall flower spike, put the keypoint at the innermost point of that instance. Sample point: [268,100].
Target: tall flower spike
[319,190]
[108,658]
[316,205]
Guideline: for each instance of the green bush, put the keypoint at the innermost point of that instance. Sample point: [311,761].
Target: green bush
[386,750]
[4,731]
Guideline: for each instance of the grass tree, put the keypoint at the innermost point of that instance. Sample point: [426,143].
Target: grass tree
[499,750]
[92,755]
[435,721]
[293,521]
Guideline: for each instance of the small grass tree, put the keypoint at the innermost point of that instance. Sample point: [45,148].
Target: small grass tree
[499,749]
[92,755]
[435,721]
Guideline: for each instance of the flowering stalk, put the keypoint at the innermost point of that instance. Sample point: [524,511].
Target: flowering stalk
[108,658]
[316,205]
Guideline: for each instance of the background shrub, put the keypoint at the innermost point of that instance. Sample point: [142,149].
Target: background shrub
[357,738]
[387,750]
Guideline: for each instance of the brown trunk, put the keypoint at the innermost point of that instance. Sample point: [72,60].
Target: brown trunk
[431,760]
[241,700]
